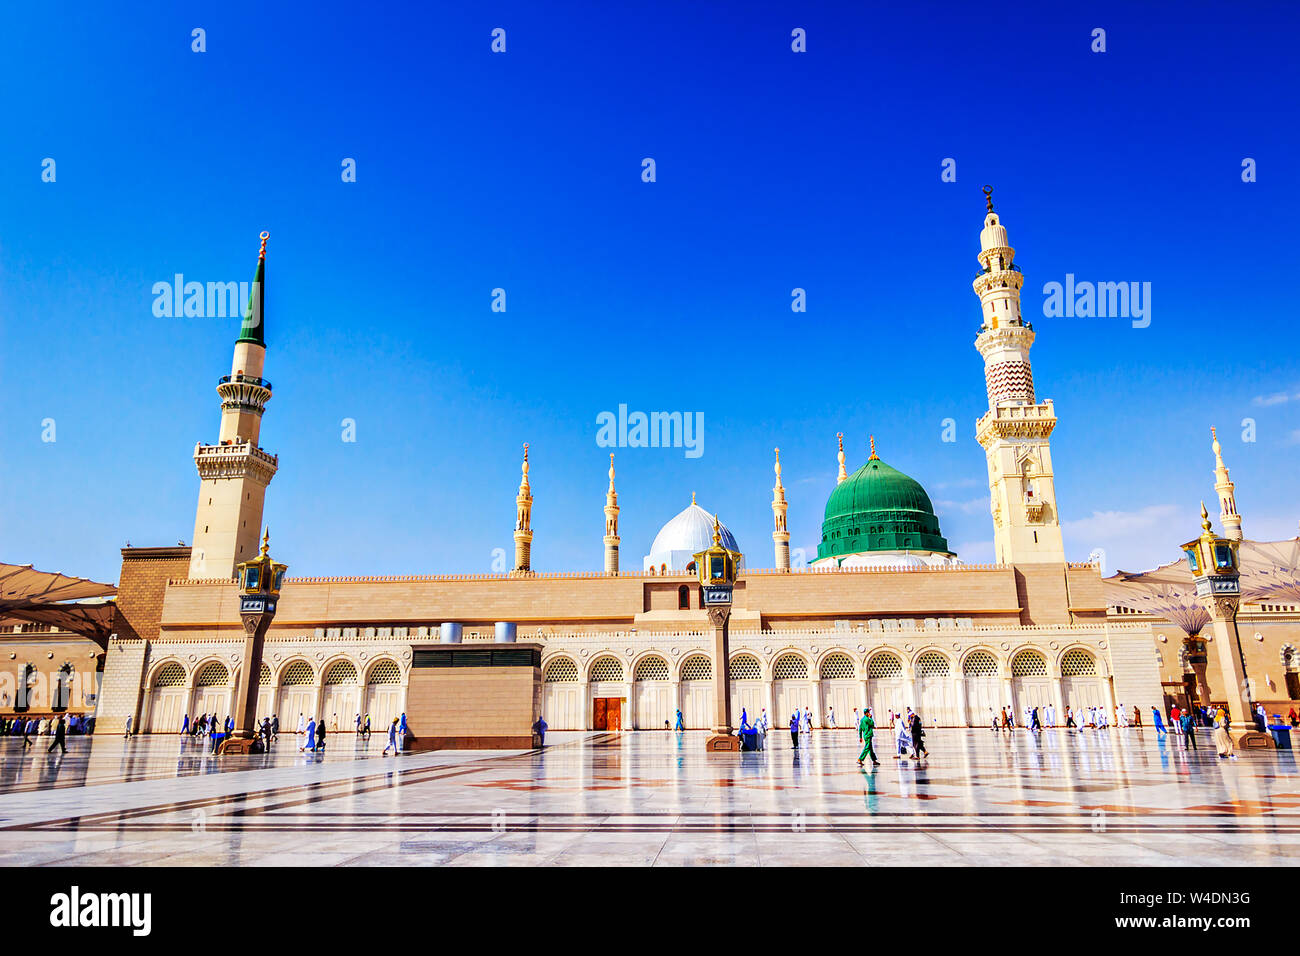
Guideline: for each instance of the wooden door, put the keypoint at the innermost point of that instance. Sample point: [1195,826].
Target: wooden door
[613,713]
[599,714]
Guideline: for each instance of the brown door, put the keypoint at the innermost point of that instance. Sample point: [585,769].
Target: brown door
[600,714]
[613,714]
[1293,685]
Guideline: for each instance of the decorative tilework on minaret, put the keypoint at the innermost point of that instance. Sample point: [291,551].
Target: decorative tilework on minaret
[780,535]
[1228,515]
[1016,429]
[611,523]
[234,473]
[524,521]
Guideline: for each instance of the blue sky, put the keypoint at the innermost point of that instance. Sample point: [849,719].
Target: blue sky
[522,171]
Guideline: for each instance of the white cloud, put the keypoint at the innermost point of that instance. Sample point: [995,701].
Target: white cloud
[973,506]
[1277,398]
[1133,540]
[976,552]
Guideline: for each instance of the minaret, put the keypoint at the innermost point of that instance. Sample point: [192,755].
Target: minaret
[524,522]
[611,523]
[780,536]
[843,474]
[1228,515]
[1015,431]
[234,473]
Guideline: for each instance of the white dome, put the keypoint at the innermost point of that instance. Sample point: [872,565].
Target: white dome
[681,539]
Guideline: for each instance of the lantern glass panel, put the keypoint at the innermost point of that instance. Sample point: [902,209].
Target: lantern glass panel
[250,579]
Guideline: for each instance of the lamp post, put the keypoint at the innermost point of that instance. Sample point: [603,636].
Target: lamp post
[1215,567]
[716,568]
[259,583]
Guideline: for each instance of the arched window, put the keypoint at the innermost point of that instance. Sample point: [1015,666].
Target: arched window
[746,667]
[212,674]
[651,668]
[683,598]
[385,672]
[264,676]
[341,672]
[697,667]
[170,675]
[884,666]
[297,674]
[790,667]
[1078,663]
[62,688]
[980,664]
[931,664]
[562,670]
[837,667]
[607,668]
[1029,664]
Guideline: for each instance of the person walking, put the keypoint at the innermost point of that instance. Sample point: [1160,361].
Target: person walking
[392,739]
[830,717]
[918,738]
[320,736]
[1189,730]
[1159,722]
[302,725]
[866,730]
[679,724]
[365,728]
[185,725]
[794,729]
[60,737]
[1033,720]
[539,729]
[1222,739]
[275,726]
[309,740]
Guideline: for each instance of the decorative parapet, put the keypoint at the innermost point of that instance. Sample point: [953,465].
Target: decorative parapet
[1016,421]
[235,461]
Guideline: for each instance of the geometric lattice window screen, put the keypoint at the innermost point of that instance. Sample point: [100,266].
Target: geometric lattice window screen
[297,674]
[171,675]
[652,668]
[1077,663]
[837,667]
[790,667]
[264,676]
[607,668]
[1029,664]
[384,672]
[213,674]
[697,668]
[884,666]
[980,664]
[562,671]
[341,672]
[931,664]
[746,667]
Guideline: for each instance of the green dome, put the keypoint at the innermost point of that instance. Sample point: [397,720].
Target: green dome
[878,508]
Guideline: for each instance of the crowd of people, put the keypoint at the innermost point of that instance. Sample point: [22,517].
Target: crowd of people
[22,725]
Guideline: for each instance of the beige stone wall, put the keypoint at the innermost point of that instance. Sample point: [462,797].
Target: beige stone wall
[142,589]
[47,652]
[120,693]
[473,701]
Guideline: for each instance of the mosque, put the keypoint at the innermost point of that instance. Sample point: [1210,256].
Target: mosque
[887,615]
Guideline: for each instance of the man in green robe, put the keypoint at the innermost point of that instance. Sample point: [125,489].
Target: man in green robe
[867,728]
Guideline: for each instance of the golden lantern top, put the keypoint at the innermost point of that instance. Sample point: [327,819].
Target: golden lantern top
[261,577]
[1210,555]
[716,565]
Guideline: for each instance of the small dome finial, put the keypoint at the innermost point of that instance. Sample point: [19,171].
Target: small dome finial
[777,466]
[717,532]
[692,497]
[843,474]
[262,252]
[1205,518]
[874,456]
[988,197]
[266,541]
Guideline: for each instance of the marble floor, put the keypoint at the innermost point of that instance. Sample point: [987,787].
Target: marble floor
[1118,797]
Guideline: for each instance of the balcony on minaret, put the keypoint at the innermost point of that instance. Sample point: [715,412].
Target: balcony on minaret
[235,460]
[1016,421]
[241,391]
[1033,506]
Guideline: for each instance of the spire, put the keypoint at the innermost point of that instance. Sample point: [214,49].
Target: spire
[1228,515]
[692,497]
[874,456]
[1205,518]
[524,521]
[780,536]
[717,532]
[266,542]
[988,197]
[254,328]
[843,474]
[611,523]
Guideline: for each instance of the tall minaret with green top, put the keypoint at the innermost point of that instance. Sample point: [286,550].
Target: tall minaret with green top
[234,473]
